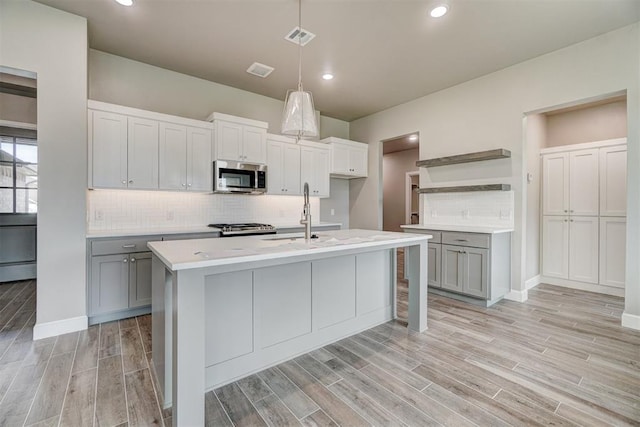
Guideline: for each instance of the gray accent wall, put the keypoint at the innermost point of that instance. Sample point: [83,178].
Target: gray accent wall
[53,44]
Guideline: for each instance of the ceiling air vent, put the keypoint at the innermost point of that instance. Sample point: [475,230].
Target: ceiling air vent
[260,70]
[305,36]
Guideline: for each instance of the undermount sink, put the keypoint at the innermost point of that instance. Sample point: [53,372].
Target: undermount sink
[292,238]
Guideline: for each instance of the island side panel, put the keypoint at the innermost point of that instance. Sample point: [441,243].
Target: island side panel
[416,266]
[188,348]
[160,358]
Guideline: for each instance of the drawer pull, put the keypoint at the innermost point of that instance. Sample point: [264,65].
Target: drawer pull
[128,246]
[461,240]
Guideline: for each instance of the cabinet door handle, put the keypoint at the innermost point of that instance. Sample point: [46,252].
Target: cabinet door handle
[565,211]
[133,260]
[124,181]
[189,185]
[184,185]
[124,260]
[129,246]
[130,181]
[571,220]
[565,220]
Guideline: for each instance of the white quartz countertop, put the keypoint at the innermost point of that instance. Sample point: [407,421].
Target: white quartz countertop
[199,253]
[461,228]
[186,230]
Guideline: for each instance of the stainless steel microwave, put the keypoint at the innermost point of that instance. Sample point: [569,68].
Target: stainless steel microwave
[238,177]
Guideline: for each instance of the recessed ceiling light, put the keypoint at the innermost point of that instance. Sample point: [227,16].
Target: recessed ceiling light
[327,76]
[439,11]
[413,138]
[125,2]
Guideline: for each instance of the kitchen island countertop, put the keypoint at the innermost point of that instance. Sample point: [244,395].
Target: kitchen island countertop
[189,254]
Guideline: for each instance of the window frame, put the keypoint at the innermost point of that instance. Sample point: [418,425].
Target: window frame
[18,139]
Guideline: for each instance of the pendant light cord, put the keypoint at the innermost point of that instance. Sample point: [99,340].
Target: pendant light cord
[300,45]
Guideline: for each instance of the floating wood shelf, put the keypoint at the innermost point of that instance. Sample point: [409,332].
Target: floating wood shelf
[500,153]
[466,188]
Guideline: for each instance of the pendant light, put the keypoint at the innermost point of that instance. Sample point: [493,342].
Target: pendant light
[299,115]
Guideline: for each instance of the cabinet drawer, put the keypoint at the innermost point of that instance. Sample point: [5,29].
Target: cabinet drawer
[437,236]
[121,246]
[466,239]
[191,236]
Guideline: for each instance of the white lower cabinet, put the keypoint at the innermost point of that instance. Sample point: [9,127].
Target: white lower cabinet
[613,240]
[570,248]
[583,249]
[555,246]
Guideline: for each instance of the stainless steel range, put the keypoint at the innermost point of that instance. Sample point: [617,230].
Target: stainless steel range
[248,229]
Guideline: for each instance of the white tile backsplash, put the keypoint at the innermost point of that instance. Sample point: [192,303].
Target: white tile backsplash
[482,208]
[131,209]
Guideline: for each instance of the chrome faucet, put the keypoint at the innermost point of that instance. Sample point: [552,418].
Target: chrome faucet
[306,213]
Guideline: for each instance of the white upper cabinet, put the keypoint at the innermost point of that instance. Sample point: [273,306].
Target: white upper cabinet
[239,139]
[283,166]
[142,163]
[555,177]
[107,150]
[570,183]
[185,158]
[349,159]
[138,149]
[583,182]
[173,157]
[613,181]
[199,161]
[314,168]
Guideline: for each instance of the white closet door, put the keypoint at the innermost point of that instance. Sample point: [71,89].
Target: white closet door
[613,181]
[583,182]
[555,246]
[555,181]
[583,249]
[613,240]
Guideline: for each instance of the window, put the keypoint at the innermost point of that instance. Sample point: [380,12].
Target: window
[18,175]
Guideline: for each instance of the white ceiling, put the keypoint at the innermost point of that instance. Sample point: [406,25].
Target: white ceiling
[383,53]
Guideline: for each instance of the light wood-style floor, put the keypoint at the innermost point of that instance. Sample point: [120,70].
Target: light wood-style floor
[561,358]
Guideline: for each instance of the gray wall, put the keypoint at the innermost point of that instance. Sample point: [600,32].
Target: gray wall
[123,81]
[487,113]
[339,202]
[53,44]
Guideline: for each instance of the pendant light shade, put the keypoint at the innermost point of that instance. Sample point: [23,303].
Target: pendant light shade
[299,117]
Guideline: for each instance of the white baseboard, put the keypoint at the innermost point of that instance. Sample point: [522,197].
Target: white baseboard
[532,283]
[631,321]
[59,327]
[590,287]
[518,296]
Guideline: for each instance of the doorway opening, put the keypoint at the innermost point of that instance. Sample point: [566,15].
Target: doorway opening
[18,177]
[399,157]
[576,195]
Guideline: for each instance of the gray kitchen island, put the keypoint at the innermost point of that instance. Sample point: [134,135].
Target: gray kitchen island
[225,308]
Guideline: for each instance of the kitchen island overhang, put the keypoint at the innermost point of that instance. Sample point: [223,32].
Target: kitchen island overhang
[225,308]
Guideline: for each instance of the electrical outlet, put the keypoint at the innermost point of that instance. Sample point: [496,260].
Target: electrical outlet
[333,212]
[170,216]
[465,214]
[505,214]
[434,214]
[99,215]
